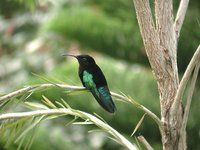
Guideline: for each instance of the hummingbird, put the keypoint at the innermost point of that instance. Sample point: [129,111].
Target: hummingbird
[94,80]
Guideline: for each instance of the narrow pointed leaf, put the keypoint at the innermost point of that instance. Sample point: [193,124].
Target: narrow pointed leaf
[60,104]
[100,117]
[66,104]
[134,101]
[138,125]
[95,130]
[36,105]
[48,102]
[83,123]
[79,92]
[42,77]
[72,121]
[138,143]
[29,128]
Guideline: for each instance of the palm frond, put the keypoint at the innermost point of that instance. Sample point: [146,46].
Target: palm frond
[19,129]
[38,115]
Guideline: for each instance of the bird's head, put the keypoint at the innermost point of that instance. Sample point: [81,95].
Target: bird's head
[84,60]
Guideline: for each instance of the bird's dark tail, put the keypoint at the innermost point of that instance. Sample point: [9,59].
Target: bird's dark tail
[103,97]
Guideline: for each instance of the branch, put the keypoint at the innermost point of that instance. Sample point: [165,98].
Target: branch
[77,88]
[38,87]
[164,18]
[16,93]
[159,42]
[145,19]
[189,98]
[180,16]
[195,59]
[160,45]
[65,111]
[148,32]
[145,143]
[164,26]
[141,107]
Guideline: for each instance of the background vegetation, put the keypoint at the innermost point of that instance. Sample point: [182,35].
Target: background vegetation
[33,35]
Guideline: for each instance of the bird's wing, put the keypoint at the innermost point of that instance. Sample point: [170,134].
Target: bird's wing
[101,94]
[88,80]
[105,99]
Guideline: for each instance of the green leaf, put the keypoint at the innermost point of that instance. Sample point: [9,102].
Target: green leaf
[75,118]
[96,130]
[32,137]
[138,125]
[134,102]
[30,127]
[60,104]
[138,143]
[100,117]
[48,102]
[51,80]
[83,123]
[10,130]
[79,92]
[36,105]
[66,104]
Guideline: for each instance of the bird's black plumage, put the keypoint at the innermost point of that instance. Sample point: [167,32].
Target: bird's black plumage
[94,80]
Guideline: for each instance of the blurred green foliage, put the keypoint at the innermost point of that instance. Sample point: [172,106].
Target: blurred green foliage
[189,38]
[95,30]
[8,8]
[111,27]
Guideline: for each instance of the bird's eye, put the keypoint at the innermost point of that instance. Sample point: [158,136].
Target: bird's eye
[84,59]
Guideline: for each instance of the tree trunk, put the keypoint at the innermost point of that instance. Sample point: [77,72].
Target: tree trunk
[160,41]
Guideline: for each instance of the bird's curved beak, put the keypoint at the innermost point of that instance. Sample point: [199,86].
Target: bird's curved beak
[69,55]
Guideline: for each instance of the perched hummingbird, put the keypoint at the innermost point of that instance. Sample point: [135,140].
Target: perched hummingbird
[94,80]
